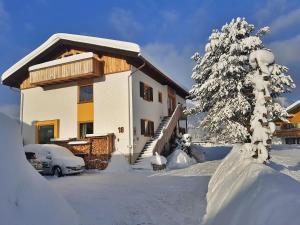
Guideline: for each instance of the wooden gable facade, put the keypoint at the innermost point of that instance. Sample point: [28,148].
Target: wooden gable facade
[100,64]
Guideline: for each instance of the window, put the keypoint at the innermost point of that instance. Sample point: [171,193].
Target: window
[160,97]
[46,133]
[289,126]
[85,128]
[291,141]
[85,93]
[147,128]
[46,130]
[146,92]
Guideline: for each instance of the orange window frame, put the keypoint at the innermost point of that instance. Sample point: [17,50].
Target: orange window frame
[38,124]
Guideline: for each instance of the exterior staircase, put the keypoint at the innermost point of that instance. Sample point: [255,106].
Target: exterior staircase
[143,161]
[160,138]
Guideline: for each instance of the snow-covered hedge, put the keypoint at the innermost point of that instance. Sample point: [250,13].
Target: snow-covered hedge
[244,192]
[25,196]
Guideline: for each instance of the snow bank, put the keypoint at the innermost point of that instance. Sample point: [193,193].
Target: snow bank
[198,153]
[244,192]
[25,196]
[118,163]
[179,159]
[211,153]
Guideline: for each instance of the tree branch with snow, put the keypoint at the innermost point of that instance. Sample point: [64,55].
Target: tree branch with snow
[227,79]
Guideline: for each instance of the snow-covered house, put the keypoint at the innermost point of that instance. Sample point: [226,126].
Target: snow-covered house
[76,87]
[289,133]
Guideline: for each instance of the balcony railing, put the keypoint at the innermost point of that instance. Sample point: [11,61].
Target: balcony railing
[68,68]
[294,132]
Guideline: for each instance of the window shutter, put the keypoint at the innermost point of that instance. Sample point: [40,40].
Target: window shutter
[151,94]
[142,127]
[142,89]
[152,128]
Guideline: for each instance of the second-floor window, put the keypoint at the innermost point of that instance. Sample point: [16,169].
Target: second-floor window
[160,97]
[146,92]
[86,93]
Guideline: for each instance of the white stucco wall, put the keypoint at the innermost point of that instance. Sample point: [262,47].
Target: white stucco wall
[114,106]
[143,109]
[53,102]
[111,108]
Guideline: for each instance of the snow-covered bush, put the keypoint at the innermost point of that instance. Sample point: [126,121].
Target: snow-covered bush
[223,86]
[158,159]
[25,196]
[242,191]
[179,159]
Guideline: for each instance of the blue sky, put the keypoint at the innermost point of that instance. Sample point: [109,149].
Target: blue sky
[169,32]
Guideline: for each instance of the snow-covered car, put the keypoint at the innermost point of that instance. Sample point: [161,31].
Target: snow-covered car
[37,164]
[56,160]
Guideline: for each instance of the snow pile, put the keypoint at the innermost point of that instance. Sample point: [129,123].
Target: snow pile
[242,191]
[118,163]
[215,153]
[179,159]
[158,160]
[197,153]
[26,197]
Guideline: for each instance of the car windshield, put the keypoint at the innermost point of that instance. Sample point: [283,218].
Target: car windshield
[30,155]
[60,151]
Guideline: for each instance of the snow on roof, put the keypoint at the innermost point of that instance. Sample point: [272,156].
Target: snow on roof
[122,45]
[85,55]
[292,106]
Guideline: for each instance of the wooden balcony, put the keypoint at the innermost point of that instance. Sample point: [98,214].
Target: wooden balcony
[84,65]
[295,132]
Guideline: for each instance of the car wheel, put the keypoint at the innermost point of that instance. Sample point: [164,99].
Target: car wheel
[57,171]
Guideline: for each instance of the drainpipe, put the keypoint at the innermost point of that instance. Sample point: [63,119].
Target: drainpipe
[130,146]
[21,106]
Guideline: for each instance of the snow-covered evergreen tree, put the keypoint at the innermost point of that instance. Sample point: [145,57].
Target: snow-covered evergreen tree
[224,89]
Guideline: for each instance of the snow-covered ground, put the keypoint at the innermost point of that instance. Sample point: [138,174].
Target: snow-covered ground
[175,197]
[286,159]
[26,198]
[244,191]
[141,197]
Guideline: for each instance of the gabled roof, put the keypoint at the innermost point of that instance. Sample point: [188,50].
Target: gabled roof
[126,46]
[13,75]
